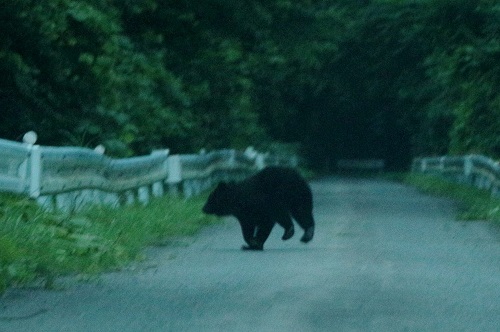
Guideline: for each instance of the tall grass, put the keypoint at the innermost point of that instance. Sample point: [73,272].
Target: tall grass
[38,246]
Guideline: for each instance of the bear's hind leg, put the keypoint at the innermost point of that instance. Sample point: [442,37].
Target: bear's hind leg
[308,234]
[288,233]
[285,221]
[303,216]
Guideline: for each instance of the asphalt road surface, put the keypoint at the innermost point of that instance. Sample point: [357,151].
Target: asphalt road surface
[385,258]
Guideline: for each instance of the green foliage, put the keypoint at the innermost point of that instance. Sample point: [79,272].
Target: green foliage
[464,75]
[38,246]
[381,78]
[412,78]
[146,74]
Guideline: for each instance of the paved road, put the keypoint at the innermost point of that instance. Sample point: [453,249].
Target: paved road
[385,258]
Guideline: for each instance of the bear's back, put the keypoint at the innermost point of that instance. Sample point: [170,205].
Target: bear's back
[281,185]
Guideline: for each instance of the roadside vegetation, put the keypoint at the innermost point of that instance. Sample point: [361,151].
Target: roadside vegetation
[37,246]
[475,204]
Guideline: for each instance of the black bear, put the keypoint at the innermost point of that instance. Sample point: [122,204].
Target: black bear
[273,195]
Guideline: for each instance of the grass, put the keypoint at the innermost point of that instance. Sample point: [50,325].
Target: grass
[475,204]
[39,246]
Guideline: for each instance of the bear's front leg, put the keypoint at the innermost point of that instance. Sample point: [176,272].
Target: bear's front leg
[255,247]
[261,236]
[248,229]
[253,244]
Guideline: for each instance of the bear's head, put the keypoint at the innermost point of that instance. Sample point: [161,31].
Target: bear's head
[220,200]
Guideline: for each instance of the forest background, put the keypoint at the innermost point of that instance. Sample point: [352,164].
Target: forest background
[333,79]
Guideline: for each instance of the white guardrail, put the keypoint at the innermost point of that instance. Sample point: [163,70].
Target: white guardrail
[69,178]
[476,170]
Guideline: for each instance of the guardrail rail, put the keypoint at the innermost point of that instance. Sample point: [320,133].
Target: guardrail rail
[476,170]
[69,178]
